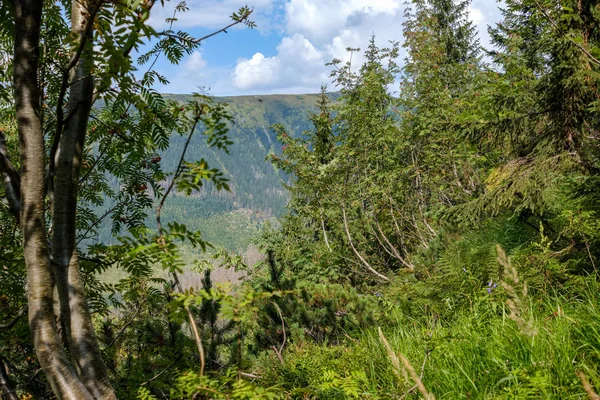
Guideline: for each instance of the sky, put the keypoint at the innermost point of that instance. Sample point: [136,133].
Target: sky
[286,53]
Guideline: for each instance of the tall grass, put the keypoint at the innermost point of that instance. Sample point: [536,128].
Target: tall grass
[477,353]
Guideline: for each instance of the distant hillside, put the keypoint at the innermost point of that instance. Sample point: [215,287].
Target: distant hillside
[232,219]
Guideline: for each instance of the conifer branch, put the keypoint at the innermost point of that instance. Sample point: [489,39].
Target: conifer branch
[555,25]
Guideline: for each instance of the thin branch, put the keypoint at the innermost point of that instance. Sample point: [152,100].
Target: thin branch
[7,391]
[168,367]
[197,337]
[587,246]
[365,263]
[392,248]
[93,225]
[415,387]
[247,375]
[127,324]
[283,329]
[325,235]
[178,172]
[244,18]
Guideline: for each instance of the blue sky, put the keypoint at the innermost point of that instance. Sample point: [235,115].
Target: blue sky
[287,52]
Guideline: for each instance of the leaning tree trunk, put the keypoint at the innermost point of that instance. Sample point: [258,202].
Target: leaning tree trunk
[53,360]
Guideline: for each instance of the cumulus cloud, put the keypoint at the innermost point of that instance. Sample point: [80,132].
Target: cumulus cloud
[320,20]
[318,32]
[484,13]
[192,72]
[194,63]
[298,65]
[314,32]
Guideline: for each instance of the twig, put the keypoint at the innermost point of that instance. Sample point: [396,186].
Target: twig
[168,367]
[93,225]
[412,389]
[325,235]
[123,329]
[11,180]
[6,388]
[247,375]
[587,246]
[279,356]
[242,19]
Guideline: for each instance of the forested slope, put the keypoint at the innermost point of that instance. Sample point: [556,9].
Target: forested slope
[438,242]
[233,218]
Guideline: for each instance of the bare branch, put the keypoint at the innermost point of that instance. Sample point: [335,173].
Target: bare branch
[7,390]
[178,172]
[127,324]
[325,235]
[392,248]
[364,262]
[280,350]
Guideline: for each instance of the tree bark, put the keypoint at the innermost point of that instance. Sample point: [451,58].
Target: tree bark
[53,360]
[75,316]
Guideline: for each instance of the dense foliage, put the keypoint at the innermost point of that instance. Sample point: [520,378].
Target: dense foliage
[438,243]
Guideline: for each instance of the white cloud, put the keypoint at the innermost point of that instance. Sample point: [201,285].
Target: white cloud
[298,65]
[484,13]
[320,20]
[315,32]
[192,72]
[318,32]
[194,63]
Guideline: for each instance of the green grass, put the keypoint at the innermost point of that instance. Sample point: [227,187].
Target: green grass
[478,353]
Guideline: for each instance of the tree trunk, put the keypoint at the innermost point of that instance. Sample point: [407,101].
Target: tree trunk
[53,360]
[75,316]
